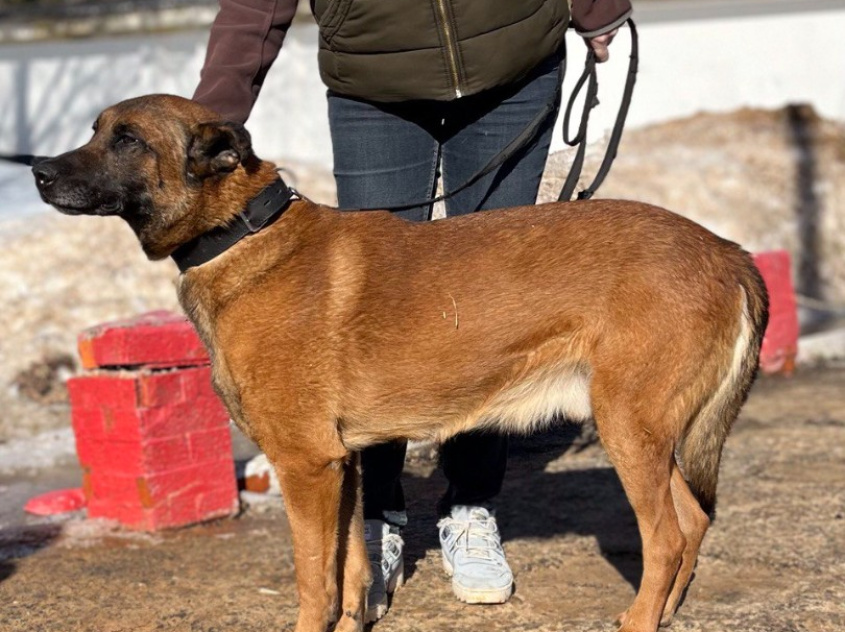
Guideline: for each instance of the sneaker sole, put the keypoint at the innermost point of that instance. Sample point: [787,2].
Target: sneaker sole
[476,595]
[377,611]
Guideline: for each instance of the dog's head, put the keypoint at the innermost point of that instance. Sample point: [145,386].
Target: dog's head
[168,166]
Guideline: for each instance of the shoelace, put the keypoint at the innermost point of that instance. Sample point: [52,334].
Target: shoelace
[376,550]
[485,531]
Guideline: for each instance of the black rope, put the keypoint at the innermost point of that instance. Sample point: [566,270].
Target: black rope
[589,75]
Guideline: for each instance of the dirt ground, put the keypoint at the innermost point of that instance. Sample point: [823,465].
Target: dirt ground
[774,561]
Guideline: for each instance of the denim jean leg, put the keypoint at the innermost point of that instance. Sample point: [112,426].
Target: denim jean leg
[384,155]
[483,125]
[474,463]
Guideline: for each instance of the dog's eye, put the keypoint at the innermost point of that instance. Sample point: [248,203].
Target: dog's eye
[126,139]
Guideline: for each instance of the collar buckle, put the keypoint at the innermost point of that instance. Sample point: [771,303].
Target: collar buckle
[252,228]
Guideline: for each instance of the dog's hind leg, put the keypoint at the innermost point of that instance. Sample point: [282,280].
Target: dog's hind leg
[354,575]
[694,524]
[643,458]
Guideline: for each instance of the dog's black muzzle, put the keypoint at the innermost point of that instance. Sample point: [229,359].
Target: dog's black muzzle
[73,187]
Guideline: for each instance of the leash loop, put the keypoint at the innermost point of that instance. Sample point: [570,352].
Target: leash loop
[618,126]
[589,74]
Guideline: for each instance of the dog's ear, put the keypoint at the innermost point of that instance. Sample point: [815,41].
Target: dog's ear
[217,147]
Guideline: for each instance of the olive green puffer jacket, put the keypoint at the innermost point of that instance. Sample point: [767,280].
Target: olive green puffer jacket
[396,50]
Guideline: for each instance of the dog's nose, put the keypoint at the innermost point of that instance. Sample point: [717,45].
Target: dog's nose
[45,174]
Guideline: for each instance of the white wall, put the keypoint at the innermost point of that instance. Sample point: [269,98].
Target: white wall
[722,63]
[690,61]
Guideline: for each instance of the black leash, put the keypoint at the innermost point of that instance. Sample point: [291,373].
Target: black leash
[590,78]
[23,159]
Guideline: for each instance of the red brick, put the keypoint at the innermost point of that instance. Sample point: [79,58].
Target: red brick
[117,450]
[122,425]
[132,516]
[92,452]
[184,418]
[210,445]
[161,455]
[154,444]
[88,423]
[197,383]
[87,488]
[175,482]
[217,504]
[160,388]
[166,421]
[171,499]
[88,452]
[116,489]
[220,475]
[101,389]
[780,343]
[156,339]
[176,513]
[119,458]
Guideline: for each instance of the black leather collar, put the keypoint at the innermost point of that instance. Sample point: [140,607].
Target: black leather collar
[262,210]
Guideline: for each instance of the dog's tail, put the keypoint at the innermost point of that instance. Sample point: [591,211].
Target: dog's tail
[700,450]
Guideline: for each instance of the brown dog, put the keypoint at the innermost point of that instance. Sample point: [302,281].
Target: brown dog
[334,331]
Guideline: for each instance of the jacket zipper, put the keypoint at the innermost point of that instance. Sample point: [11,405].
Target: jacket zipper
[451,47]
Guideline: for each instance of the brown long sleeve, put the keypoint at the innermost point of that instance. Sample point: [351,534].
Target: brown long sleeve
[245,40]
[594,17]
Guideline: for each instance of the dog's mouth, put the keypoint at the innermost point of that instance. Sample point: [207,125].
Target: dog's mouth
[109,206]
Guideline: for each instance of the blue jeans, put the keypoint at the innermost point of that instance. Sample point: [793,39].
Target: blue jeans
[391,154]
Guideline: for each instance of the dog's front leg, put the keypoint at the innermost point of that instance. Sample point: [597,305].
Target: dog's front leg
[354,575]
[311,488]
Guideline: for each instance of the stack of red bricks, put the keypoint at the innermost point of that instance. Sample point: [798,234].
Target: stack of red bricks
[151,435]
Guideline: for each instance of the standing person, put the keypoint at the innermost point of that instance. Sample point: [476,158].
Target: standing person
[416,88]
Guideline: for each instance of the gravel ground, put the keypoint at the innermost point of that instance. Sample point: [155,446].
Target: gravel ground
[774,561]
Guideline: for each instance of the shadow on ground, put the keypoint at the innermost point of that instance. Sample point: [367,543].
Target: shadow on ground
[538,504]
[22,541]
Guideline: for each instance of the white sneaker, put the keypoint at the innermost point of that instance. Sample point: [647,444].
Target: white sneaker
[473,556]
[384,549]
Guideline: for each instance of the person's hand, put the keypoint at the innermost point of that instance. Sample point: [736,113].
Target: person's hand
[599,44]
